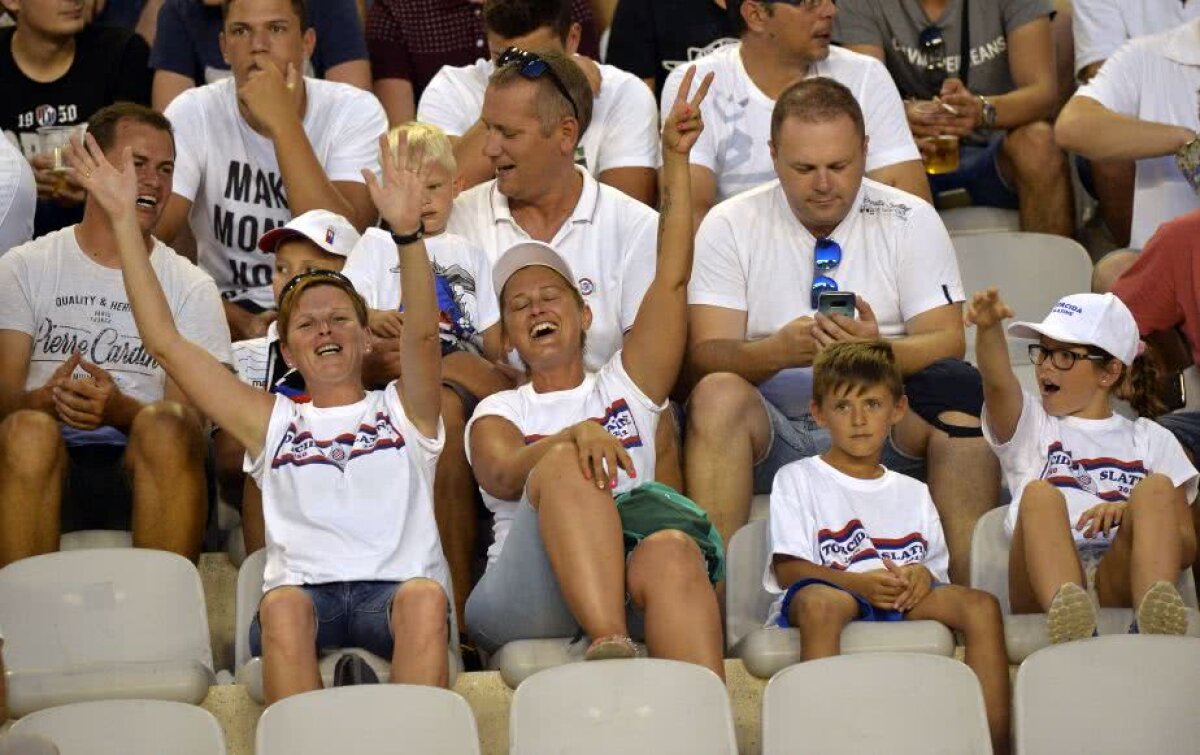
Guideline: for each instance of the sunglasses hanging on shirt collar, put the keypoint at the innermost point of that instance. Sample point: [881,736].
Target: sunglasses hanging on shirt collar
[827,255]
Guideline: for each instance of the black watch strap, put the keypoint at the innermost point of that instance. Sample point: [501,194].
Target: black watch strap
[410,238]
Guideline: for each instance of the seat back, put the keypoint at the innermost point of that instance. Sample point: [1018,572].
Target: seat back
[638,705]
[1145,686]
[865,703]
[125,727]
[372,718]
[746,601]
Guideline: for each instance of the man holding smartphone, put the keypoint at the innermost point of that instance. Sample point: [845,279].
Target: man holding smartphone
[763,261]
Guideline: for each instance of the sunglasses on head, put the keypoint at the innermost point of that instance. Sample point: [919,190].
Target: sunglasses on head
[532,66]
[826,256]
[332,275]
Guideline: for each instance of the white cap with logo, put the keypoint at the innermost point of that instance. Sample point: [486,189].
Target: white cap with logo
[529,254]
[1100,320]
[328,230]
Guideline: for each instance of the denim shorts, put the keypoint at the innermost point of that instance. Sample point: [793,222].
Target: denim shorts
[979,175]
[866,611]
[348,614]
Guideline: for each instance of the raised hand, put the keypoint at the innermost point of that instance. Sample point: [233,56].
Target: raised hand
[114,189]
[684,123]
[987,309]
[400,195]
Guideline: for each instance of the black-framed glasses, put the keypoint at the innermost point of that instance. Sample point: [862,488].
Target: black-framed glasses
[933,46]
[1063,359]
[331,275]
[827,255]
[532,66]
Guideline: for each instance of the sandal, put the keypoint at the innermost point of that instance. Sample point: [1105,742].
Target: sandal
[610,647]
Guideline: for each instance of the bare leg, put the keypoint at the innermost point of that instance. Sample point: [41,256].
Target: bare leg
[727,431]
[419,611]
[669,584]
[1114,190]
[1031,161]
[289,639]
[254,529]
[582,534]
[229,454]
[821,613]
[1043,555]
[33,463]
[668,466]
[454,502]
[1108,270]
[1147,548]
[165,457]
[977,615]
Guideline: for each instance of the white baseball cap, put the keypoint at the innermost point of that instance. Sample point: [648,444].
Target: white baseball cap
[528,254]
[328,230]
[1100,320]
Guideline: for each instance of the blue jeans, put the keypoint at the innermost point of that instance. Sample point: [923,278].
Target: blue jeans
[348,615]
[979,175]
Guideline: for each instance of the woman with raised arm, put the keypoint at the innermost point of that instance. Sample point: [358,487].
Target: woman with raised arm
[551,455]
[353,556]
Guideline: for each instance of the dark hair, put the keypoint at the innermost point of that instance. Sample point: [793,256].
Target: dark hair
[309,280]
[856,367]
[816,100]
[103,123]
[1139,383]
[299,6]
[516,18]
[550,103]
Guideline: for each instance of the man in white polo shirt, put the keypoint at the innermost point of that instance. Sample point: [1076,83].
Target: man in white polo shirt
[780,43]
[261,147]
[762,259]
[1143,105]
[619,147]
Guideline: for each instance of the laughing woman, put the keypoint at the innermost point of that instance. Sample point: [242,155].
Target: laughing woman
[353,556]
[551,455]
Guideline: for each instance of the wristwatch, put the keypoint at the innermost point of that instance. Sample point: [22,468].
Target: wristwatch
[989,113]
[410,238]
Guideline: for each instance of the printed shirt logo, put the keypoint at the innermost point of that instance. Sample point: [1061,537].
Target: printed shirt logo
[617,420]
[1106,478]
[299,448]
[328,235]
[851,545]
[880,207]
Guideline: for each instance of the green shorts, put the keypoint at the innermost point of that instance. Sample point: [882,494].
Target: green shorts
[652,507]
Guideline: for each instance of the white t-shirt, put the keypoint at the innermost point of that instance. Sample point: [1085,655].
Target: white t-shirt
[1090,461]
[737,116]
[462,275]
[623,132]
[828,518]
[348,493]
[18,197]
[610,241]
[229,173]
[609,397]
[1101,26]
[254,359]
[1155,79]
[51,290]
[753,255]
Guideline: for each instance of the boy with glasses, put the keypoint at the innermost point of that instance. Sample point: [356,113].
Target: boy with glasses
[754,329]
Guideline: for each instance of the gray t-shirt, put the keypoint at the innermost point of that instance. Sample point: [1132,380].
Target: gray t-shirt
[896,26]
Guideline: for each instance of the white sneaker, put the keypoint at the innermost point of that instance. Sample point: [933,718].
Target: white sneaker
[1071,615]
[1162,610]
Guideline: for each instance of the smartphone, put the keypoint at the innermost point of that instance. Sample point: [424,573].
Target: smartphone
[836,303]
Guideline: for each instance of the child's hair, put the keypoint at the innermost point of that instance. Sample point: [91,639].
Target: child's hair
[428,136]
[856,366]
[1139,384]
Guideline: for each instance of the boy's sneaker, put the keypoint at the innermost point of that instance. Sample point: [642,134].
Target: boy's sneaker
[1162,610]
[351,669]
[1072,615]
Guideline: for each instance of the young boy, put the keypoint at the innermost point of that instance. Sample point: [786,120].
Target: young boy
[851,540]
[470,331]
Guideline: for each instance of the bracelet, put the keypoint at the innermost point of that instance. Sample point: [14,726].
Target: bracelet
[410,238]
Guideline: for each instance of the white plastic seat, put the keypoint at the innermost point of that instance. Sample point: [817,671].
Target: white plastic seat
[767,650]
[102,624]
[125,727]
[966,221]
[1027,633]
[93,539]
[643,705]
[369,719]
[760,507]
[1109,696]
[883,702]
[248,668]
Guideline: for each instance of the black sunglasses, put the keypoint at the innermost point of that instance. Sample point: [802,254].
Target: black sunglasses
[933,47]
[332,275]
[532,66]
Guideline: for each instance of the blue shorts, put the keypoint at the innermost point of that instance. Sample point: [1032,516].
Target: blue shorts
[866,611]
[348,614]
[979,175]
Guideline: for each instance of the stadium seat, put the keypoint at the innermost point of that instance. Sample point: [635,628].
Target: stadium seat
[103,624]
[91,539]
[369,719]
[760,507]
[1109,696]
[765,651]
[125,727]
[1026,633]
[642,705]
[248,669]
[870,703]
[966,221]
